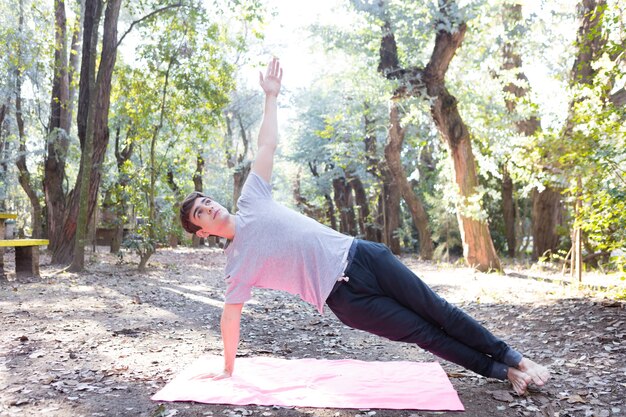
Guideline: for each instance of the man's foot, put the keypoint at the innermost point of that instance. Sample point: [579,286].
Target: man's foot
[519,379]
[539,374]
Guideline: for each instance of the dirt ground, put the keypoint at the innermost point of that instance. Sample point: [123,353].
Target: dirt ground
[102,342]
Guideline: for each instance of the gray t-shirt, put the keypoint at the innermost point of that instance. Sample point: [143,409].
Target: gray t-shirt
[278,248]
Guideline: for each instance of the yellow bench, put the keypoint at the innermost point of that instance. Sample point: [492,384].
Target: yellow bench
[26,252]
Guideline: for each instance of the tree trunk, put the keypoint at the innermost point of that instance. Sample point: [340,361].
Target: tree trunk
[242,169]
[330,211]
[576,270]
[590,42]
[546,214]
[173,237]
[478,247]
[366,228]
[121,156]
[24,176]
[512,61]
[345,206]
[303,204]
[58,136]
[390,204]
[196,241]
[393,148]
[508,212]
[77,34]
[102,96]
[374,231]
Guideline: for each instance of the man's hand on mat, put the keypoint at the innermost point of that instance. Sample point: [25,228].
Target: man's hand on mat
[214,375]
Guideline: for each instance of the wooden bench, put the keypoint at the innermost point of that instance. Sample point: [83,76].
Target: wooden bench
[26,252]
[26,256]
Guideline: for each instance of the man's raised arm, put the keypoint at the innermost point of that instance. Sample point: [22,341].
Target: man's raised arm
[268,134]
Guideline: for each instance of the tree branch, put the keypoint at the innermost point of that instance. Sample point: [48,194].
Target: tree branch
[146,17]
[618,98]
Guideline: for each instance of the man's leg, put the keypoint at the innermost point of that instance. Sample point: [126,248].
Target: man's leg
[397,281]
[375,272]
[383,316]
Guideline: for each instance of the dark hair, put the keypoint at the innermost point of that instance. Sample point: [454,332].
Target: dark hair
[185,210]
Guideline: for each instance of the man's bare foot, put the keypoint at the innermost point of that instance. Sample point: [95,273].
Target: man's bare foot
[519,379]
[539,374]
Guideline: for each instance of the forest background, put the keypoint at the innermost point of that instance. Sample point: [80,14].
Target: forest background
[475,131]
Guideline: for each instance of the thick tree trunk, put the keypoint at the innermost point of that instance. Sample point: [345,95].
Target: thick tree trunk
[478,247]
[546,214]
[58,135]
[102,95]
[330,211]
[239,178]
[345,205]
[375,226]
[392,155]
[365,228]
[390,209]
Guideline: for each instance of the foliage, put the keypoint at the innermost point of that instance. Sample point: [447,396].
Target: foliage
[168,103]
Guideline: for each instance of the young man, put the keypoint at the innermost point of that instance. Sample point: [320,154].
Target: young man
[362,282]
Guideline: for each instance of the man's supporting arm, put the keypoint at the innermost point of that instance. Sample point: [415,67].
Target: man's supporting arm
[230,325]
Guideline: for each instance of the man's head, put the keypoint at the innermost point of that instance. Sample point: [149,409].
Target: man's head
[185,211]
[202,215]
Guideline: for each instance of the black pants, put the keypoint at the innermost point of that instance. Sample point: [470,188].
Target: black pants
[382,296]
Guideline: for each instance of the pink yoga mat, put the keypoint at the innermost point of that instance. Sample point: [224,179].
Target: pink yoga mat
[317,383]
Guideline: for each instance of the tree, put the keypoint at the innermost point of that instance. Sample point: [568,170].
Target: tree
[26,180]
[96,94]
[392,155]
[594,135]
[429,82]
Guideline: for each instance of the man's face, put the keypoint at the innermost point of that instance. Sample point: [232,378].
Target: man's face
[210,216]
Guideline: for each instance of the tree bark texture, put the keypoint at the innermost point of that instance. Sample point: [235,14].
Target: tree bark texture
[58,134]
[547,215]
[374,230]
[390,208]
[365,227]
[101,95]
[345,205]
[478,247]
[330,206]
[393,148]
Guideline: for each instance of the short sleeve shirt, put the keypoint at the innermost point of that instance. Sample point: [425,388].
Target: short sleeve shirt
[278,248]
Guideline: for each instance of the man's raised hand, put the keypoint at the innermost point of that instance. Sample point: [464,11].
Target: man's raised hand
[270,83]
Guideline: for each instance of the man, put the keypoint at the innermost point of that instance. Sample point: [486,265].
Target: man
[362,282]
